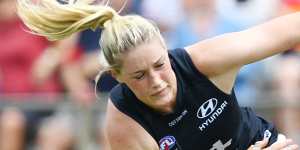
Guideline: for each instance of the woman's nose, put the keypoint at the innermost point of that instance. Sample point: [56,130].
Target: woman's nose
[156,81]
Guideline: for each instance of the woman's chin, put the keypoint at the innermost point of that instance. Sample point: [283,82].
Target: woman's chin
[164,102]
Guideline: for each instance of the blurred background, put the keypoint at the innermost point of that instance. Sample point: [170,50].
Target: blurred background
[47,99]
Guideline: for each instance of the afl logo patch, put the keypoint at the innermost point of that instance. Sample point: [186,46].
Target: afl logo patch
[207,108]
[167,142]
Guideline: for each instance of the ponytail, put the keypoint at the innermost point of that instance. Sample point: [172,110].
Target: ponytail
[57,21]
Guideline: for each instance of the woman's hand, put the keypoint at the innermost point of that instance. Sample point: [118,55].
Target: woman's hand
[281,144]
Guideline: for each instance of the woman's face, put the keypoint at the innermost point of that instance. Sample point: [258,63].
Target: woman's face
[147,71]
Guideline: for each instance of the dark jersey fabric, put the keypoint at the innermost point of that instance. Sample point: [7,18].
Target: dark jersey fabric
[204,116]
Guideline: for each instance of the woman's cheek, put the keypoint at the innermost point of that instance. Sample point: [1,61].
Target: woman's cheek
[140,87]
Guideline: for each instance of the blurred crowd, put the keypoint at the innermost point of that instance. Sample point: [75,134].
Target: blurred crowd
[55,80]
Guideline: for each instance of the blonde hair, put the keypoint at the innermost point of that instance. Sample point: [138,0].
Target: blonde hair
[57,21]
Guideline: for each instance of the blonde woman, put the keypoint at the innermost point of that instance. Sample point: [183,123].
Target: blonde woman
[171,100]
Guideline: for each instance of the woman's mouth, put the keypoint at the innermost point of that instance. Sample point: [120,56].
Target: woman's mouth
[160,92]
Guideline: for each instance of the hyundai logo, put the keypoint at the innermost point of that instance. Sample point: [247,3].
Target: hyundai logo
[207,108]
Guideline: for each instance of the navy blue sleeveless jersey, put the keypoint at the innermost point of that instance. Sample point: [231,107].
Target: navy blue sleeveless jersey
[204,117]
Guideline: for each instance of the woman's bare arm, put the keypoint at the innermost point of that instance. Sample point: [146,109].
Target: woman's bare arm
[123,133]
[220,58]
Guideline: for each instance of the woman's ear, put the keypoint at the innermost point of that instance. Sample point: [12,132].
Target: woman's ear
[115,75]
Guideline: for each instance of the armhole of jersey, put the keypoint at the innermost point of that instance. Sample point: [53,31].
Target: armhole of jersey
[185,62]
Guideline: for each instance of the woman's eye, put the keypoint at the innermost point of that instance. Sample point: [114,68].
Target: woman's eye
[140,76]
[159,65]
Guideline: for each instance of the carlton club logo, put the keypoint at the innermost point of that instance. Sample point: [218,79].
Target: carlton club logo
[207,108]
[167,142]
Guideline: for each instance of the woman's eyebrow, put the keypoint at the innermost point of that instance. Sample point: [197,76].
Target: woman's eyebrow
[155,63]
[159,60]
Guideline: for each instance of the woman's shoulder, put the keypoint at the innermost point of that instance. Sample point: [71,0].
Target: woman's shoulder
[120,91]
[118,126]
[177,52]
[181,57]
[119,96]
[116,91]
[182,63]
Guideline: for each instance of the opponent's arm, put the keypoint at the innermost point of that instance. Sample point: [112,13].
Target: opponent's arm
[280,144]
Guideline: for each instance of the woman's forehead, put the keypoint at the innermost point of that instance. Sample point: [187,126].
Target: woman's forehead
[143,56]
